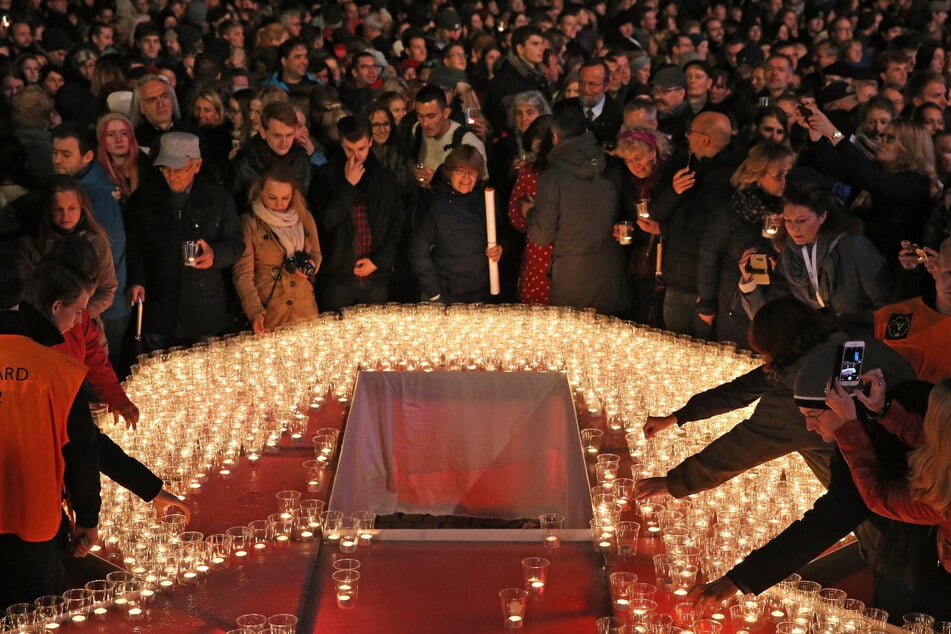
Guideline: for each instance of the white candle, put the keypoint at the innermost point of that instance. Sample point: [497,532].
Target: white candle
[492,239]
[77,618]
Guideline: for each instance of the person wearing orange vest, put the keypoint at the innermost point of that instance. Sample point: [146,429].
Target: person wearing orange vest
[919,329]
[47,439]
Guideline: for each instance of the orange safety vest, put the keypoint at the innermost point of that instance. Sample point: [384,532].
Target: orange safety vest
[37,389]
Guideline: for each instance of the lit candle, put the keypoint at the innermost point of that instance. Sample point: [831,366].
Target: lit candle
[99,612]
[490,234]
[313,486]
[78,618]
[52,625]
[551,541]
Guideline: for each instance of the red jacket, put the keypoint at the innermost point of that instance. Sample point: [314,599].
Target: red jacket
[82,344]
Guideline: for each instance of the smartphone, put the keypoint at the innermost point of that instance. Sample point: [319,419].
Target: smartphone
[689,156]
[759,267]
[849,363]
[804,112]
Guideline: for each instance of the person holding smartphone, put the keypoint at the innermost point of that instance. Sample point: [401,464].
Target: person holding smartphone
[823,261]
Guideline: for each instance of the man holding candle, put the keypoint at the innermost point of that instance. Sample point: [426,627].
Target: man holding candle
[575,209]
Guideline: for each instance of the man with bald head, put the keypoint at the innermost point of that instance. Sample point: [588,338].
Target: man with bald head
[696,189]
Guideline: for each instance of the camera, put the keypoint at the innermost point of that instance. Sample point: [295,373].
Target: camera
[300,261]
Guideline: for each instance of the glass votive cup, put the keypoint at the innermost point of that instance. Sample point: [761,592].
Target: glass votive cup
[366,520]
[281,528]
[101,590]
[240,537]
[875,618]
[552,525]
[535,574]
[591,440]
[792,627]
[260,536]
[917,623]
[609,625]
[742,620]
[349,534]
[514,601]
[252,622]
[78,604]
[623,490]
[706,626]
[641,590]
[220,555]
[330,526]
[21,614]
[685,614]
[346,563]
[684,577]
[620,585]
[662,574]
[346,585]
[286,623]
[649,513]
[49,608]
[660,623]
[312,470]
[627,533]
[174,522]
[641,611]
[287,500]
[603,537]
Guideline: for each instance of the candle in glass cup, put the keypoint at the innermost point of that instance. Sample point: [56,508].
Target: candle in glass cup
[551,525]
[535,574]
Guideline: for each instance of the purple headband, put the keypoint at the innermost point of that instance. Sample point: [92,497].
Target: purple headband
[639,135]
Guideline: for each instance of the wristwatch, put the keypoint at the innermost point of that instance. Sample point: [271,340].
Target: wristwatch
[836,136]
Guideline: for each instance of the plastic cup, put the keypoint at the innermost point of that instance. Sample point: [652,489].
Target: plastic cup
[551,524]
[514,601]
[535,574]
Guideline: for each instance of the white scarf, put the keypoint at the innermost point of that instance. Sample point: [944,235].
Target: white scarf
[285,224]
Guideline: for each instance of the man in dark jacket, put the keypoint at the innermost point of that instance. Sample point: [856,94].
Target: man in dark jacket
[602,113]
[903,556]
[359,213]
[276,145]
[185,299]
[681,211]
[521,70]
[575,209]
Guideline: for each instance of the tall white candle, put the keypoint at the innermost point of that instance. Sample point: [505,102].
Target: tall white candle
[492,239]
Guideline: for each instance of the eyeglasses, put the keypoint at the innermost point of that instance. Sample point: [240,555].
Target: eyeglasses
[383,124]
[460,172]
[887,138]
[366,66]
[816,416]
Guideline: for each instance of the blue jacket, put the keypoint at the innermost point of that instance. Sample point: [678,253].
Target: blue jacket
[108,213]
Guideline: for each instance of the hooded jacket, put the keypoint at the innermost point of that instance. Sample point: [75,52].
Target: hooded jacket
[575,209]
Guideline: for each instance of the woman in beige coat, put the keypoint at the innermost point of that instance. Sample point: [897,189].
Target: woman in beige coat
[274,276]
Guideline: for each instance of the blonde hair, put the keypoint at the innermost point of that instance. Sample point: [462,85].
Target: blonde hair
[213,97]
[757,162]
[930,464]
[916,151]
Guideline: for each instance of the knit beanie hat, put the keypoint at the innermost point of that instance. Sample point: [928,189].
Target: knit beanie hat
[819,365]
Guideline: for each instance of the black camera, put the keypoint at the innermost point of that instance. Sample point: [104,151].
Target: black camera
[300,261]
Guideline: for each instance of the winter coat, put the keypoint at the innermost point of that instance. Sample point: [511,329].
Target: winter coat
[514,76]
[575,209]
[331,204]
[264,285]
[854,281]
[447,252]
[684,218]
[774,429]
[105,278]
[251,160]
[106,210]
[182,302]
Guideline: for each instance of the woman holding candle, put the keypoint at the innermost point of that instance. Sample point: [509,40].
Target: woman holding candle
[645,154]
[823,261]
[450,253]
[750,222]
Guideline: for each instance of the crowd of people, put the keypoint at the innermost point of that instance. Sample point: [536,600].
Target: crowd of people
[773,173]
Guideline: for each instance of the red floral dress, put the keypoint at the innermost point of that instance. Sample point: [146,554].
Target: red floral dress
[534,287]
